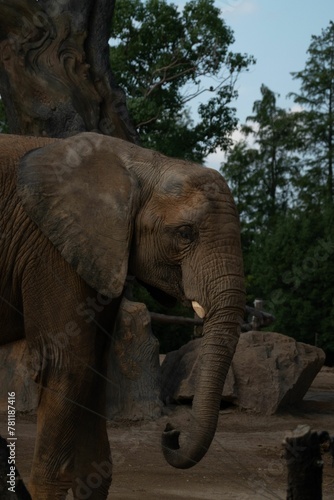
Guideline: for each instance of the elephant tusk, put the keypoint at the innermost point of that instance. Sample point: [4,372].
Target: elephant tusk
[199,310]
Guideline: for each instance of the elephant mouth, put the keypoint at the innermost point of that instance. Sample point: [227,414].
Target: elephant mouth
[163,298]
[169,301]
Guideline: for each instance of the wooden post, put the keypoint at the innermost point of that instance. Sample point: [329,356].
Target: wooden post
[304,462]
[256,321]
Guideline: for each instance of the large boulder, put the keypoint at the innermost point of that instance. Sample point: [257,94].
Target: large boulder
[269,371]
[133,386]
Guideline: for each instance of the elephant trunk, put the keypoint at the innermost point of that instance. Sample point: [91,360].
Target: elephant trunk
[220,337]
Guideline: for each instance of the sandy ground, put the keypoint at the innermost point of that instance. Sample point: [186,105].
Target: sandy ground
[244,462]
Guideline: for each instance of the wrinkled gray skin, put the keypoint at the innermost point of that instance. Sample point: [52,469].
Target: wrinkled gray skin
[77,215]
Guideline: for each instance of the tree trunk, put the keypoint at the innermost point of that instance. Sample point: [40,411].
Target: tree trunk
[55,76]
[134,370]
[56,79]
[304,462]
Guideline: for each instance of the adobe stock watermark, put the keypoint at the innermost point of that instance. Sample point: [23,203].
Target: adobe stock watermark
[102,473]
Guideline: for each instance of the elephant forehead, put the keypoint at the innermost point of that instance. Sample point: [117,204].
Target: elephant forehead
[183,198]
[204,196]
[188,206]
[188,192]
[195,179]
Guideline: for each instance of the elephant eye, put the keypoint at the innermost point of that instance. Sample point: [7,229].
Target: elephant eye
[187,233]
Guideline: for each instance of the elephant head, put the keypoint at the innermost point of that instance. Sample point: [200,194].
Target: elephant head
[113,208]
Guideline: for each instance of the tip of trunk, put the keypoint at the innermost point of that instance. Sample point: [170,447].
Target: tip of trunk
[221,333]
[174,454]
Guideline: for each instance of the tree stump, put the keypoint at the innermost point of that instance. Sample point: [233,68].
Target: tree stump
[305,465]
[134,370]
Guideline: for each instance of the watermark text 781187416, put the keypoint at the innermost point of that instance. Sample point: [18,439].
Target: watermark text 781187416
[11,442]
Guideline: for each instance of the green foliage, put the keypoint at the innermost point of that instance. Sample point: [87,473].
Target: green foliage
[261,176]
[164,58]
[281,174]
[292,268]
[316,98]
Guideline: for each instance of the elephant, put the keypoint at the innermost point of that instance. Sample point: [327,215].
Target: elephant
[78,215]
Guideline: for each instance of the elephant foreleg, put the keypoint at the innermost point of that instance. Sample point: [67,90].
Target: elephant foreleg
[92,478]
[72,449]
[69,353]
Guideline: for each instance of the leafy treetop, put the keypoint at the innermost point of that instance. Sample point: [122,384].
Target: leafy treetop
[164,59]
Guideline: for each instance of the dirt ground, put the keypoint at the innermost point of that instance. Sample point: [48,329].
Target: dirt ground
[244,462]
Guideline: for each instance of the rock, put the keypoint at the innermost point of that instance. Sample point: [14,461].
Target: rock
[269,371]
[133,390]
[134,369]
[178,373]
[16,377]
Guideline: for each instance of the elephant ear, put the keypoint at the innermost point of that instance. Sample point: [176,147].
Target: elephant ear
[80,194]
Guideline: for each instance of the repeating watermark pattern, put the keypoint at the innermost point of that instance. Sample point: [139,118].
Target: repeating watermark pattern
[88,309]
[260,482]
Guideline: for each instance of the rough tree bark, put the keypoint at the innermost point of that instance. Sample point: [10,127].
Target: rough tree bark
[56,79]
[55,76]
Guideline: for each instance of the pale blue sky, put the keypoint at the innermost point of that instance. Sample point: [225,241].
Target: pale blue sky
[277,33]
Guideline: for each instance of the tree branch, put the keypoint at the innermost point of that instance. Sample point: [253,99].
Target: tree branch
[150,120]
[166,79]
